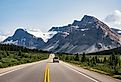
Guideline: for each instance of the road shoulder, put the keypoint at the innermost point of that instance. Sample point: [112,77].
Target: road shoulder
[17,67]
[97,76]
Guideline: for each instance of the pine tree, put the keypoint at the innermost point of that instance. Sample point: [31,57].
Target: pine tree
[104,60]
[113,62]
[83,59]
[77,57]
[20,53]
[7,53]
[67,58]
[96,59]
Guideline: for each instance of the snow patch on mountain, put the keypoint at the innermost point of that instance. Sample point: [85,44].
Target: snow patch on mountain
[11,42]
[84,29]
[119,31]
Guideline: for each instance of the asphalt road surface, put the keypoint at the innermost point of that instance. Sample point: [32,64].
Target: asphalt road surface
[59,72]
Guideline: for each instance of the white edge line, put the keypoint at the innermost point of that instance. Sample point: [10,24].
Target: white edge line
[82,74]
[4,73]
[11,71]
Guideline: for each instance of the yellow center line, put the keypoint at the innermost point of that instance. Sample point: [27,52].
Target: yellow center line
[47,74]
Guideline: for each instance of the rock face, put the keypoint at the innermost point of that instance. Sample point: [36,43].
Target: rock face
[87,35]
[23,38]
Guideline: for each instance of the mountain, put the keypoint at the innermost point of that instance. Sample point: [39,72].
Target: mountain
[107,52]
[88,35]
[23,38]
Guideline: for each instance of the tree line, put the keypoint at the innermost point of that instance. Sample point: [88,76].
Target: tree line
[11,47]
[109,63]
[11,55]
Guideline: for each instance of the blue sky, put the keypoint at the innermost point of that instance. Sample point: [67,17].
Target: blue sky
[43,14]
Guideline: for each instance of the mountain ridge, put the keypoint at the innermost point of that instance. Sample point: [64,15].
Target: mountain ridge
[87,35]
[23,38]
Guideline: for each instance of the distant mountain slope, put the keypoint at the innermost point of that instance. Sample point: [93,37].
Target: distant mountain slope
[23,38]
[87,35]
[107,52]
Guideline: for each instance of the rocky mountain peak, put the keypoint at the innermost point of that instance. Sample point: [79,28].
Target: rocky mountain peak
[22,38]
[87,35]
[21,33]
[86,19]
[89,19]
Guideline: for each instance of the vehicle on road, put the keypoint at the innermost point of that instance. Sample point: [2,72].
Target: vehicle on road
[55,59]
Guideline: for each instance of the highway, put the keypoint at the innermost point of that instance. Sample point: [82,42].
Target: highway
[58,72]
[63,74]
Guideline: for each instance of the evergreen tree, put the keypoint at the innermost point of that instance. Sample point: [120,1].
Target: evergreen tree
[112,59]
[96,59]
[67,58]
[4,54]
[113,62]
[7,53]
[77,57]
[20,53]
[83,59]
[104,60]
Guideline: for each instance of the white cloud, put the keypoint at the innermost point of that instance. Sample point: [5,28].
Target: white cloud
[44,35]
[114,19]
[36,32]
[2,37]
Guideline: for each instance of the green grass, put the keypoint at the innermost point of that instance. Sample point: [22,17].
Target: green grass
[11,58]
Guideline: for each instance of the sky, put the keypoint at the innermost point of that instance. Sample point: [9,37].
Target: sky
[44,14]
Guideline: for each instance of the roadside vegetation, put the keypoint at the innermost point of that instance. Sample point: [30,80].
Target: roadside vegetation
[106,64]
[11,55]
